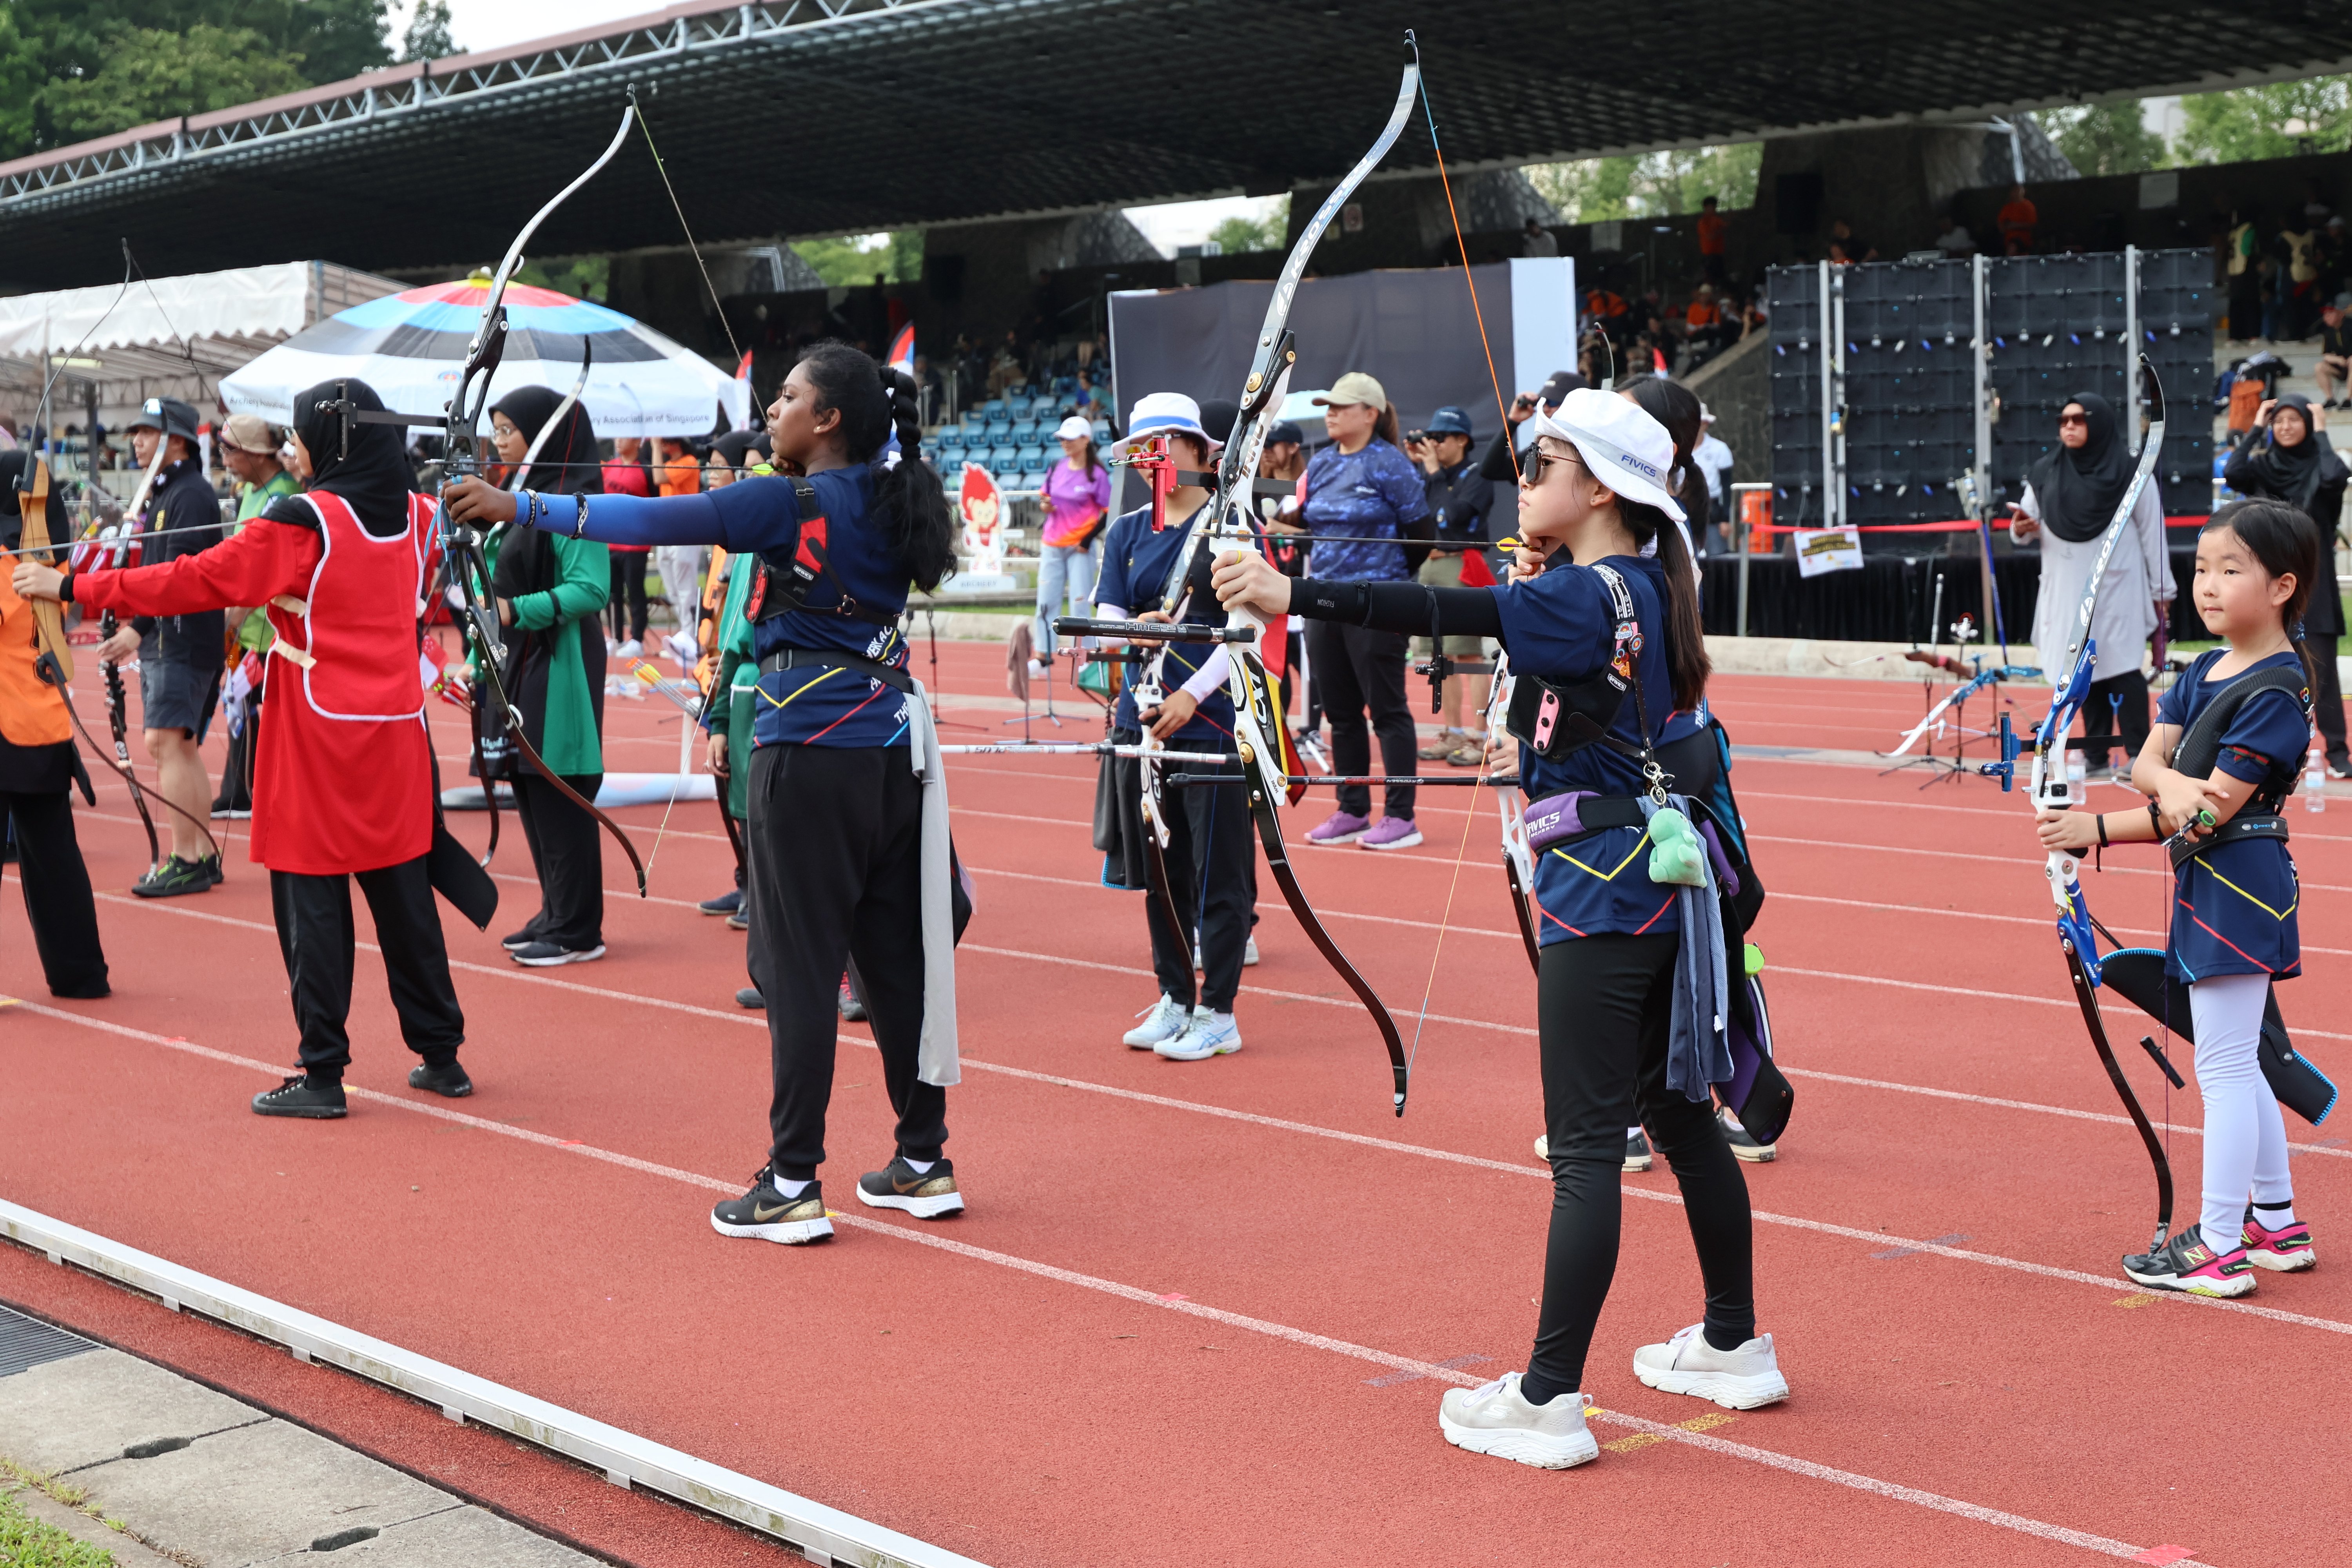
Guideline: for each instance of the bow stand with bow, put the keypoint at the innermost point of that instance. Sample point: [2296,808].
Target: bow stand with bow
[2048,788]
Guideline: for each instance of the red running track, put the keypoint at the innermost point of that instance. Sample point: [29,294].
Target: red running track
[1205,1310]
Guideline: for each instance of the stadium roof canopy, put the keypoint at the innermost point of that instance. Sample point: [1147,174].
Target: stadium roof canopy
[805,117]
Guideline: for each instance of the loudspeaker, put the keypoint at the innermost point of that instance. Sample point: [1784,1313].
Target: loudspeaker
[1797,201]
[943,277]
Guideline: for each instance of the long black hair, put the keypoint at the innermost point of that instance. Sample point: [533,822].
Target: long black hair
[2283,540]
[1677,408]
[909,506]
[1687,660]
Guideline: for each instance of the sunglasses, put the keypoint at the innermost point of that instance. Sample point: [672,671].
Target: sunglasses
[2074,419]
[1538,459]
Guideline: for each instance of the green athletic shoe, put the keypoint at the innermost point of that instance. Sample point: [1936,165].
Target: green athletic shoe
[176,877]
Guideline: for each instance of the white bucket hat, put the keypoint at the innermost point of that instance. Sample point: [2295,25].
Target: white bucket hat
[1166,414]
[1625,448]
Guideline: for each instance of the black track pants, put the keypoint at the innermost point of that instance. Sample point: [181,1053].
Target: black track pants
[836,846]
[1603,1004]
[59,903]
[316,937]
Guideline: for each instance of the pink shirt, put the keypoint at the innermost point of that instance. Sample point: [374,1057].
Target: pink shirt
[1077,499]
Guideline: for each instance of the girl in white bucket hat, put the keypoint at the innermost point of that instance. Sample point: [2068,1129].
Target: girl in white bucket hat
[1601,623]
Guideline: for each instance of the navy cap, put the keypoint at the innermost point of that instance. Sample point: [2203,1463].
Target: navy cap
[1450,420]
[1287,430]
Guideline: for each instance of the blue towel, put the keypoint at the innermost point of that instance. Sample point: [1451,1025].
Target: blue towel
[1698,1048]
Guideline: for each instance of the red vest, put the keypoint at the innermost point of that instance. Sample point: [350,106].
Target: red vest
[354,633]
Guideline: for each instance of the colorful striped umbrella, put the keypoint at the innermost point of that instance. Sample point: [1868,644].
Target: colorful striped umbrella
[409,346]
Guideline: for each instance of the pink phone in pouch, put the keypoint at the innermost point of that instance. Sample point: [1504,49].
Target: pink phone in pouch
[1546,715]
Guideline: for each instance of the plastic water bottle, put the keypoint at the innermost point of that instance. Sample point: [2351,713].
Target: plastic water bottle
[2077,791]
[2315,779]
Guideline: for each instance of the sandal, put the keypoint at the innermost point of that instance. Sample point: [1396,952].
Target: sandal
[1469,754]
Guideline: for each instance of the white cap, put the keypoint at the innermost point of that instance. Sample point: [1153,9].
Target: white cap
[1166,414]
[1625,448]
[1074,429]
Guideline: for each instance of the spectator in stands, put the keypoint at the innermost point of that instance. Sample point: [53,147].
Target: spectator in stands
[2334,256]
[1461,499]
[1953,239]
[1855,248]
[1606,310]
[2016,221]
[1647,313]
[1536,240]
[2271,281]
[1087,402]
[1360,487]
[1714,243]
[2286,457]
[2334,369]
[1702,321]
[1005,370]
[2243,245]
[1077,499]
[2298,279]
[2070,496]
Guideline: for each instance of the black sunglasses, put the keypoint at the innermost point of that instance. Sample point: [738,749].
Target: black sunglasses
[1537,459]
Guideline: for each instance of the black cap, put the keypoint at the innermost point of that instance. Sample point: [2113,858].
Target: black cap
[167,415]
[1217,416]
[1285,431]
[1564,382]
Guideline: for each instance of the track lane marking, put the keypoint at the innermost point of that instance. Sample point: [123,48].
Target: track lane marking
[1674,1432]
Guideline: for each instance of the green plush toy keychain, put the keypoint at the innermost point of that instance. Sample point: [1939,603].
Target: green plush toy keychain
[1677,854]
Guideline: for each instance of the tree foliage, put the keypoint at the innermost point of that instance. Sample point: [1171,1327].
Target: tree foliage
[70,69]
[857,260]
[1655,185]
[2281,121]
[427,36]
[2110,138]
[1265,231]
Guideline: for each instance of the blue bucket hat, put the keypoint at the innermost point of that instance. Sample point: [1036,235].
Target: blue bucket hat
[1451,420]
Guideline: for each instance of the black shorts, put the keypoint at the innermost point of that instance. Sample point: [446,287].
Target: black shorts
[176,696]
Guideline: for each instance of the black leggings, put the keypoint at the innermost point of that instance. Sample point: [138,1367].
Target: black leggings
[1602,1005]
[628,600]
[2101,714]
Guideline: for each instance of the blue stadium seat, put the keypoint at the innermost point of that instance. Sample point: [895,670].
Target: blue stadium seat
[993,405]
[1004,459]
[1041,455]
[1034,479]
[999,420]
[1025,429]
[1102,430]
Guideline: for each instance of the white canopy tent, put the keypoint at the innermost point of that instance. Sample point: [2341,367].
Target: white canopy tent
[168,337]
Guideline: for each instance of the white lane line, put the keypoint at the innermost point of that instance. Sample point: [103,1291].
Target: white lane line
[1892,1490]
[1876,1237]
[2009,861]
[759,1021]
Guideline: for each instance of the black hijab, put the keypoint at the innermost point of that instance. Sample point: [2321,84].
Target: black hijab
[14,466]
[2079,486]
[374,479]
[2297,474]
[736,447]
[567,463]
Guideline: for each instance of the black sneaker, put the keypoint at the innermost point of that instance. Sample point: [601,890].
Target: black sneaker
[767,1215]
[1744,1146]
[748,996]
[726,903]
[298,1096]
[928,1196]
[176,876]
[548,955]
[522,938]
[1637,1151]
[448,1081]
[852,1010]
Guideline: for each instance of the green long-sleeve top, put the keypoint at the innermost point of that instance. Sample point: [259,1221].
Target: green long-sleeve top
[583,580]
[736,648]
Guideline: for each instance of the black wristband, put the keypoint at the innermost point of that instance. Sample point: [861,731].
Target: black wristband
[2155,822]
[2101,818]
[1323,601]
[65,587]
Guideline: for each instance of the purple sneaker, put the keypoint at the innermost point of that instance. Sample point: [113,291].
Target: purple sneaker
[1392,833]
[1339,827]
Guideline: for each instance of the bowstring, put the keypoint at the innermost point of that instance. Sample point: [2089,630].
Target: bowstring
[1437,647]
[663,170]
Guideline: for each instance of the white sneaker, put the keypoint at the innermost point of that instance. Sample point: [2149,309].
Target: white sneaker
[1203,1039]
[632,648]
[1249,952]
[1498,1419]
[1163,1020]
[1737,1380]
[1036,669]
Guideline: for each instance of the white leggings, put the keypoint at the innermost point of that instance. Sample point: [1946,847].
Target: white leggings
[2245,1137]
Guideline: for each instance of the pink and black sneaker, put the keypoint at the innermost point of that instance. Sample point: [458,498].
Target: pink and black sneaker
[2285,1251]
[2186,1263]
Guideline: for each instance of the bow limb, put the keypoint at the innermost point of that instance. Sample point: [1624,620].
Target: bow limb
[1510,803]
[119,727]
[2085,980]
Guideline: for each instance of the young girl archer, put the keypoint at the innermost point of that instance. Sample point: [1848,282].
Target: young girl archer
[1602,624]
[848,853]
[2234,894]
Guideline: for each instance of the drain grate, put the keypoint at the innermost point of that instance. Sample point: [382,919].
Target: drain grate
[27,1342]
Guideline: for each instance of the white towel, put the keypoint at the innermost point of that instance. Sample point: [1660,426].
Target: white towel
[936,1061]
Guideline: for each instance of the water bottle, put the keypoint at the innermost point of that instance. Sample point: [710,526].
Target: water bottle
[2315,779]
[2077,790]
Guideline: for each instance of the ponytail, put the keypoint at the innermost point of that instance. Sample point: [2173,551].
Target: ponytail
[1385,427]
[1677,407]
[909,506]
[1686,662]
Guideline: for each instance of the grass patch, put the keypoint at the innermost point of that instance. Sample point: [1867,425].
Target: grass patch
[26,1543]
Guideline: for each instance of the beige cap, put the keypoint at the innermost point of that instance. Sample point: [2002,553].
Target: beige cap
[1353,387]
[250,432]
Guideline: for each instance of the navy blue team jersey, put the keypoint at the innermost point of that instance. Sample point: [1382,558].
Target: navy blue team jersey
[2233,907]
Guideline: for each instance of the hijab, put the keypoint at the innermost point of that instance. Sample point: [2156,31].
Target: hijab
[2080,486]
[14,465]
[736,447]
[568,463]
[2298,473]
[374,479]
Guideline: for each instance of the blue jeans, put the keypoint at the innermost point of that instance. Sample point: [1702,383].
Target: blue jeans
[1063,570]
